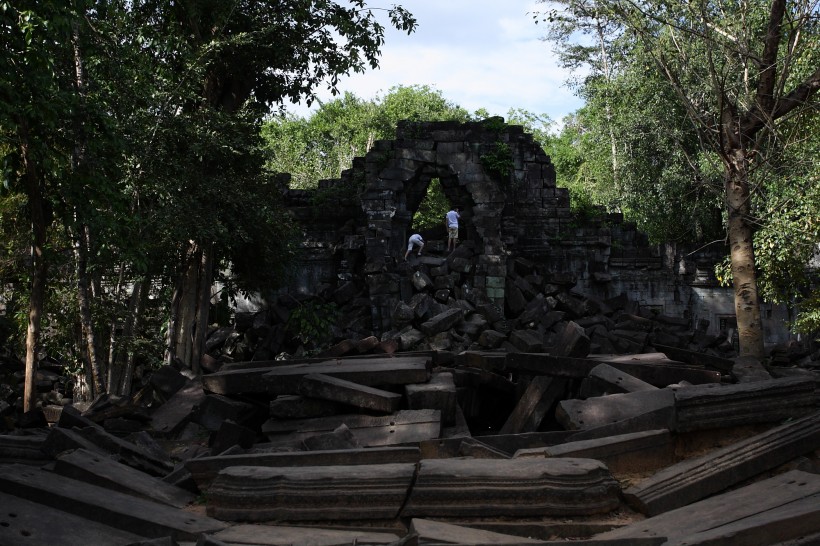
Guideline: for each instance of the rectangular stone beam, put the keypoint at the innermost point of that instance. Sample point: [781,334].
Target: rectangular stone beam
[701,407]
[695,479]
[657,372]
[353,394]
[112,508]
[205,469]
[511,488]
[38,525]
[95,469]
[772,511]
[532,407]
[316,493]
[371,372]
[403,427]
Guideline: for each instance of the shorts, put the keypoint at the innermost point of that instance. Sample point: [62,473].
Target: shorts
[452,232]
[415,240]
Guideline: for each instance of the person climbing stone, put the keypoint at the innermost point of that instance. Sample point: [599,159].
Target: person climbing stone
[451,222]
[415,240]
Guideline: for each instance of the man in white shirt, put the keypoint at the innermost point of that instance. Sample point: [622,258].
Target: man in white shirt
[451,222]
[415,240]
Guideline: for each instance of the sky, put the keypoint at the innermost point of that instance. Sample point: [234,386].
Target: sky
[477,53]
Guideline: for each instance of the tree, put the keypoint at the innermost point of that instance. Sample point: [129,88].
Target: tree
[739,72]
[324,144]
[122,127]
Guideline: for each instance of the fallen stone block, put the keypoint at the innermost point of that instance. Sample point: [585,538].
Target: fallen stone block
[369,372]
[772,511]
[438,532]
[594,412]
[639,451]
[318,493]
[403,427]
[171,416]
[353,394]
[26,522]
[204,469]
[748,369]
[115,509]
[292,406]
[96,469]
[231,435]
[339,438]
[700,407]
[215,408]
[438,394]
[532,407]
[283,535]
[604,379]
[511,487]
[706,360]
[572,342]
[526,341]
[695,479]
[652,368]
[442,321]
[23,449]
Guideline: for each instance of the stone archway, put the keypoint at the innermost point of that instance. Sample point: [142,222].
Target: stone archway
[499,176]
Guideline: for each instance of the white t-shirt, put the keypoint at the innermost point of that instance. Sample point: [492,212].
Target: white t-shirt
[452,218]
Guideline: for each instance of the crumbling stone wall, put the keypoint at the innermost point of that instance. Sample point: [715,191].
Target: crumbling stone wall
[354,239]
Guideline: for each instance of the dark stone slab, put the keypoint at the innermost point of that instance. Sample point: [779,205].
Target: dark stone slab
[605,379]
[772,511]
[171,416]
[284,535]
[368,372]
[635,452]
[512,488]
[292,406]
[403,427]
[439,394]
[339,438]
[695,479]
[659,373]
[205,469]
[702,407]
[95,469]
[23,522]
[23,449]
[317,493]
[215,408]
[535,402]
[572,341]
[594,412]
[438,532]
[124,512]
[326,387]
[706,360]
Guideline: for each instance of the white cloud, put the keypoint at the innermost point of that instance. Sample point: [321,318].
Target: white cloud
[478,53]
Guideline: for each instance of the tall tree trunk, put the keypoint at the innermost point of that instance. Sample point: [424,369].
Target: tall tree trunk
[81,236]
[186,308]
[744,278]
[203,307]
[111,381]
[135,307]
[84,302]
[39,268]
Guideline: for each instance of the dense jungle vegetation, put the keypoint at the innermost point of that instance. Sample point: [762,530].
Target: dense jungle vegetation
[135,135]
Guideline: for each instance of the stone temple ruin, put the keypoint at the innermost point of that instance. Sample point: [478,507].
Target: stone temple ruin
[544,383]
[512,211]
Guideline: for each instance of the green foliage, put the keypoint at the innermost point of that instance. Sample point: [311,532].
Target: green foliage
[498,161]
[311,322]
[324,144]
[808,320]
[155,143]
[432,208]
